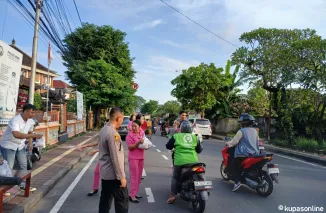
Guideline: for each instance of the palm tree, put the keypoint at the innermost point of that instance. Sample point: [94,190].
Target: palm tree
[228,93]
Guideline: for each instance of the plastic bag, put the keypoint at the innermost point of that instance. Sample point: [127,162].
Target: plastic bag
[40,143]
[5,170]
[146,145]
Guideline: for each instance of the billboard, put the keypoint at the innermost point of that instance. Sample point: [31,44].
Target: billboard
[10,68]
[80,105]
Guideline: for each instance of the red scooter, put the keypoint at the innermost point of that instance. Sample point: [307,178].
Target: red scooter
[252,172]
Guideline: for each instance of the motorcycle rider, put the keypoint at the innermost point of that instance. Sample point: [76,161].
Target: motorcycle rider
[246,142]
[186,146]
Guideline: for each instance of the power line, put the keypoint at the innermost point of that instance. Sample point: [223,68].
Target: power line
[4,21]
[78,13]
[199,24]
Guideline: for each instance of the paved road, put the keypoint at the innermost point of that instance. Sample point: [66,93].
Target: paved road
[301,185]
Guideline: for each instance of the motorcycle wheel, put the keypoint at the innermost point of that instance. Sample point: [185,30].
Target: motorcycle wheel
[269,183]
[223,173]
[199,205]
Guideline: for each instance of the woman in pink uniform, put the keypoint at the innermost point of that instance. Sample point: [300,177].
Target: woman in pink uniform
[132,118]
[96,181]
[135,158]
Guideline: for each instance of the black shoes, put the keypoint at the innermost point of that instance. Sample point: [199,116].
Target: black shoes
[92,193]
[134,201]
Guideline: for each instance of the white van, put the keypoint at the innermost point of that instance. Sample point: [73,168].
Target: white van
[202,126]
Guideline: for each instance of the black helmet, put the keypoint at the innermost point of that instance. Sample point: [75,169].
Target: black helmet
[186,127]
[246,118]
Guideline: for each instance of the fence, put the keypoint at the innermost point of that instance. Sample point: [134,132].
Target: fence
[70,116]
[54,116]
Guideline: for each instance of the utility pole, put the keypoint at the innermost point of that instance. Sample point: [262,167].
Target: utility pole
[38,5]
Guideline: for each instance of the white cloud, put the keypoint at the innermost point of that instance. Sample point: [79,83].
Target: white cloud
[148,25]
[168,64]
[122,8]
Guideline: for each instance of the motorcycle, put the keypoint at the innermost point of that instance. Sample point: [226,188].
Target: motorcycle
[154,129]
[252,172]
[193,186]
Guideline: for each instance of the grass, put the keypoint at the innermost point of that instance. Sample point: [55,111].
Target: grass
[281,142]
[307,144]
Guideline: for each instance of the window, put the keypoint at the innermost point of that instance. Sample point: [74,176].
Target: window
[203,121]
[125,121]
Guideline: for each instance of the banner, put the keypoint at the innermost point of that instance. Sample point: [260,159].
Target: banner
[10,68]
[80,105]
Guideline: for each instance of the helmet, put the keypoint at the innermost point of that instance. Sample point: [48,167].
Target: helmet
[186,127]
[246,118]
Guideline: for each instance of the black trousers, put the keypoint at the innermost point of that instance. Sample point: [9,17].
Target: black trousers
[111,189]
[235,168]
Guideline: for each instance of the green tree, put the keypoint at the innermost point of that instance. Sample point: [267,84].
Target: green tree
[198,87]
[172,107]
[37,101]
[228,94]
[140,101]
[99,65]
[271,58]
[149,107]
[72,105]
[259,100]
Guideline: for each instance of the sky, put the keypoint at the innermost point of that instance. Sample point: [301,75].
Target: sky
[163,42]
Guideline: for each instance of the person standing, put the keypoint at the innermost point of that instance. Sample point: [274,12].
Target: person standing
[112,166]
[136,159]
[131,119]
[12,143]
[183,117]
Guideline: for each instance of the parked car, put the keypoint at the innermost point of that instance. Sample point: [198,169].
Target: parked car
[202,126]
[123,129]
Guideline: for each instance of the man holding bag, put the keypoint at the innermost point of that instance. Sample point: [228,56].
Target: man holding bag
[12,143]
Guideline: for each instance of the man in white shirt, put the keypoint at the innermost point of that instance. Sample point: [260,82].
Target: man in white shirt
[12,143]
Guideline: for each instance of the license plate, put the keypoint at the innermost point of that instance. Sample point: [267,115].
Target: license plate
[203,185]
[273,171]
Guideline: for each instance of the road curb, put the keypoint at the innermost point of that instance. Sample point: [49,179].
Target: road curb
[307,157]
[291,153]
[27,205]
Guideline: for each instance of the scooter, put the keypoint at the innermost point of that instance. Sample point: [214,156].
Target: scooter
[253,173]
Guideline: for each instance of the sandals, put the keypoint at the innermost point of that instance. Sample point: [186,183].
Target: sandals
[171,200]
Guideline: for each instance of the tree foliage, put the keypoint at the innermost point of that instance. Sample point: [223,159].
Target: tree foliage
[228,94]
[198,87]
[140,101]
[280,58]
[149,107]
[99,65]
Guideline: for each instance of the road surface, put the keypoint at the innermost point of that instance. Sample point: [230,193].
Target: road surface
[300,185]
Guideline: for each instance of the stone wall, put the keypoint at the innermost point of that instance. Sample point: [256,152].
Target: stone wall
[225,125]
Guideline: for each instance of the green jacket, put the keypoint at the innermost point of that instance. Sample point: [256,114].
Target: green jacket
[186,147]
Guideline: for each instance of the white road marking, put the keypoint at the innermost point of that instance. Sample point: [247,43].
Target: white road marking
[150,197]
[158,150]
[301,161]
[45,166]
[144,173]
[165,157]
[154,146]
[65,195]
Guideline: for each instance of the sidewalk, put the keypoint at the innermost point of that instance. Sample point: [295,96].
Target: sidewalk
[314,158]
[52,167]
